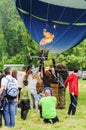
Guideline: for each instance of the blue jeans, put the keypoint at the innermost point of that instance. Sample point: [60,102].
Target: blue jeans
[34,95]
[16,107]
[9,113]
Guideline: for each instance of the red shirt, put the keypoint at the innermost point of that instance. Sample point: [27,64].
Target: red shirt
[72,79]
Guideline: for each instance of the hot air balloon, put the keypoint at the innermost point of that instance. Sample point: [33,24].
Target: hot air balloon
[56,25]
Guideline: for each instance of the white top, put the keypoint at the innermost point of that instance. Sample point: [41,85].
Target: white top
[32,83]
[29,78]
[20,78]
[4,81]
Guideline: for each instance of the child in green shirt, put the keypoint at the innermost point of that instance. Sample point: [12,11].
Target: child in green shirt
[25,100]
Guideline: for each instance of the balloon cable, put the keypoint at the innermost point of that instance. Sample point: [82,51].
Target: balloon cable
[47,16]
[30,14]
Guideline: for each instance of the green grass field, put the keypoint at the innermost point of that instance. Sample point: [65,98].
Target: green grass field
[77,122]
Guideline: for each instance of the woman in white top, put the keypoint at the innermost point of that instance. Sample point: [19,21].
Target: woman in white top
[32,85]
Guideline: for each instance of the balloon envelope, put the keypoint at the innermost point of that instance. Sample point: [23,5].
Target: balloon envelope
[56,25]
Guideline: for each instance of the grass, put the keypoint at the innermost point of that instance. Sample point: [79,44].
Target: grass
[77,122]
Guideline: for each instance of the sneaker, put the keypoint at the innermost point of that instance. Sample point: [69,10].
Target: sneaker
[50,121]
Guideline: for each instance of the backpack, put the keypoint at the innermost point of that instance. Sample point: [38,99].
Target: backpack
[11,89]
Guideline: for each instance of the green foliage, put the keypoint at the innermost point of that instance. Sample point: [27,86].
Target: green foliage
[3,43]
[75,56]
[1,66]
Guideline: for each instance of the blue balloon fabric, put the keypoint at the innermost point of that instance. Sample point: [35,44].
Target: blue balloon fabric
[56,25]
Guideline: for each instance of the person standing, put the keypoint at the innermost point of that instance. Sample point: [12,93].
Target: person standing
[20,78]
[72,79]
[25,100]
[32,86]
[62,74]
[1,100]
[14,75]
[9,108]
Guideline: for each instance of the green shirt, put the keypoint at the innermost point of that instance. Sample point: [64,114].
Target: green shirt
[25,93]
[48,107]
